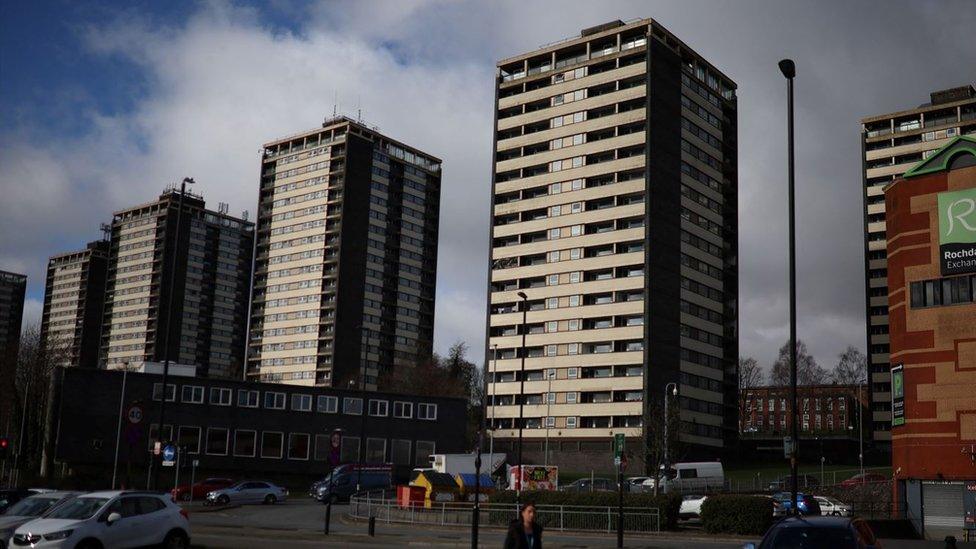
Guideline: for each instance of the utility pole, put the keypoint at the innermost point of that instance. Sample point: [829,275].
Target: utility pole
[788,68]
[521,470]
[169,317]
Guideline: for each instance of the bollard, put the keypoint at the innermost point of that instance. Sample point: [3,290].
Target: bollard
[372,526]
[328,515]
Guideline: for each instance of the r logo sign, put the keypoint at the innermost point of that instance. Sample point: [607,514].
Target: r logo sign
[957,232]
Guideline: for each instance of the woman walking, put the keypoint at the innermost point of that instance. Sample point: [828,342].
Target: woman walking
[524,532]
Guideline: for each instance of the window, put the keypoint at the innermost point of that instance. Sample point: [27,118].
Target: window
[380,408]
[217,440]
[247,398]
[571,398]
[323,447]
[271,443]
[427,411]
[298,444]
[571,423]
[349,451]
[301,403]
[192,394]
[424,449]
[376,450]
[221,396]
[574,277]
[189,438]
[403,410]
[550,350]
[327,404]
[170,392]
[550,422]
[400,452]
[572,373]
[352,406]
[552,280]
[274,401]
[245,442]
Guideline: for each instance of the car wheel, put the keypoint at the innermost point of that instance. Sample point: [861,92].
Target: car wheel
[175,540]
[270,499]
[223,500]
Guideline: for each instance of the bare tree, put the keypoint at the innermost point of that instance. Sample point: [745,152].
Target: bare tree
[808,372]
[660,447]
[851,368]
[750,373]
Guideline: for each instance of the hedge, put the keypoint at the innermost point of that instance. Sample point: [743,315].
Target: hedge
[733,514]
[668,504]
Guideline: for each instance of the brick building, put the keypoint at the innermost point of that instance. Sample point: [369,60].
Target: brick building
[931,225]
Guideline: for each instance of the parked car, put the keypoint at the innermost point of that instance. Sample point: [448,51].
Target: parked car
[805,502]
[109,519]
[834,507]
[802,482]
[10,497]
[636,484]
[248,491]
[341,483]
[866,478]
[199,489]
[818,532]
[29,509]
[590,485]
[691,506]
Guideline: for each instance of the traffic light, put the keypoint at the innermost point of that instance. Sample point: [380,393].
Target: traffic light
[4,447]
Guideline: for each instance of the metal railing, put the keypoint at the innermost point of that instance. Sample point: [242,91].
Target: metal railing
[552,517]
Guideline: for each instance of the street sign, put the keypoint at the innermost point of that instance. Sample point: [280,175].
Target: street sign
[788,447]
[618,447]
[616,461]
[897,395]
[169,455]
[196,463]
[134,414]
[157,447]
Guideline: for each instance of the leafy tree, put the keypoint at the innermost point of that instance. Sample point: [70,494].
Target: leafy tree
[851,368]
[808,372]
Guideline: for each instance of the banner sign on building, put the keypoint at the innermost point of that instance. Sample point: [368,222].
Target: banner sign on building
[957,232]
[969,506]
[897,395]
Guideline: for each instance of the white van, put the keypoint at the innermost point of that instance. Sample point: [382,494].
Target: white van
[697,476]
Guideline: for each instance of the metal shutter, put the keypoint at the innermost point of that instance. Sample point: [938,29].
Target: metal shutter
[942,505]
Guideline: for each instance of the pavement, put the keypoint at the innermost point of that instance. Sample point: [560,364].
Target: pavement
[299,522]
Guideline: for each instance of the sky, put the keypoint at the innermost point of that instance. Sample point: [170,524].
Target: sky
[102,105]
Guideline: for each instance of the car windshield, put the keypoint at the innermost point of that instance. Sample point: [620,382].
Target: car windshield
[30,507]
[78,508]
[811,538]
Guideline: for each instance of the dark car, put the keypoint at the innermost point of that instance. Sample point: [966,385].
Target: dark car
[807,504]
[866,478]
[802,481]
[199,490]
[10,497]
[590,485]
[817,533]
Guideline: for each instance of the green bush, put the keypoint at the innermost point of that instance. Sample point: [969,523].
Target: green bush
[733,514]
[667,504]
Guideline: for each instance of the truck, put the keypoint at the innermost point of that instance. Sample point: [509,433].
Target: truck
[453,464]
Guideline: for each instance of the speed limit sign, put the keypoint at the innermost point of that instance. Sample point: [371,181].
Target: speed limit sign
[134,414]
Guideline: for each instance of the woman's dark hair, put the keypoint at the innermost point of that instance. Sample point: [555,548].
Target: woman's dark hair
[527,504]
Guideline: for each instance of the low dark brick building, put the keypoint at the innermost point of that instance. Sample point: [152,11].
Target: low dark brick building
[240,429]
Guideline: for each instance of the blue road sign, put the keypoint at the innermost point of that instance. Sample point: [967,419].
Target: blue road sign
[169,455]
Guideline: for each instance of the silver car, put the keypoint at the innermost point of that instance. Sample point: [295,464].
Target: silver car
[248,491]
[29,509]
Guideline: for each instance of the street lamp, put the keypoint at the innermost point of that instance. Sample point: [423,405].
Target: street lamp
[788,68]
[169,316]
[671,389]
[550,373]
[525,310]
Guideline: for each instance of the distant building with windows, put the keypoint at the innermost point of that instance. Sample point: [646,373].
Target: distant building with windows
[614,212]
[891,144]
[74,297]
[203,266]
[830,421]
[244,429]
[13,288]
[346,258]
[931,250]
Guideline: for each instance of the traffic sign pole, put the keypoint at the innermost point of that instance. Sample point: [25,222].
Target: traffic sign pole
[618,450]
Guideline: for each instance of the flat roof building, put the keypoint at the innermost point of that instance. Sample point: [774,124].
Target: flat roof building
[617,238]
[203,266]
[346,258]
[74,296]
[891,144]
[13,288]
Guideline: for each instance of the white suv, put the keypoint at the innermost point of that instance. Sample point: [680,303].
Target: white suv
[110,520]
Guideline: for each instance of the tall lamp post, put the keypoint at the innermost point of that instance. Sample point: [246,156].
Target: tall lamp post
[860,428]
[788,68]
[671,389]
[525,310]
[169,318]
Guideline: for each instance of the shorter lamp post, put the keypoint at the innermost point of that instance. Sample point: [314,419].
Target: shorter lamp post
[671,389]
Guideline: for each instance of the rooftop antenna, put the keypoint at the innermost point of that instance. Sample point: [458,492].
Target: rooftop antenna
[335,103]
[223,208]
[359,109]
[106,229]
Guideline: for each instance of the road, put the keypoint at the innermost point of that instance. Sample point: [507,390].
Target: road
[299,523]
